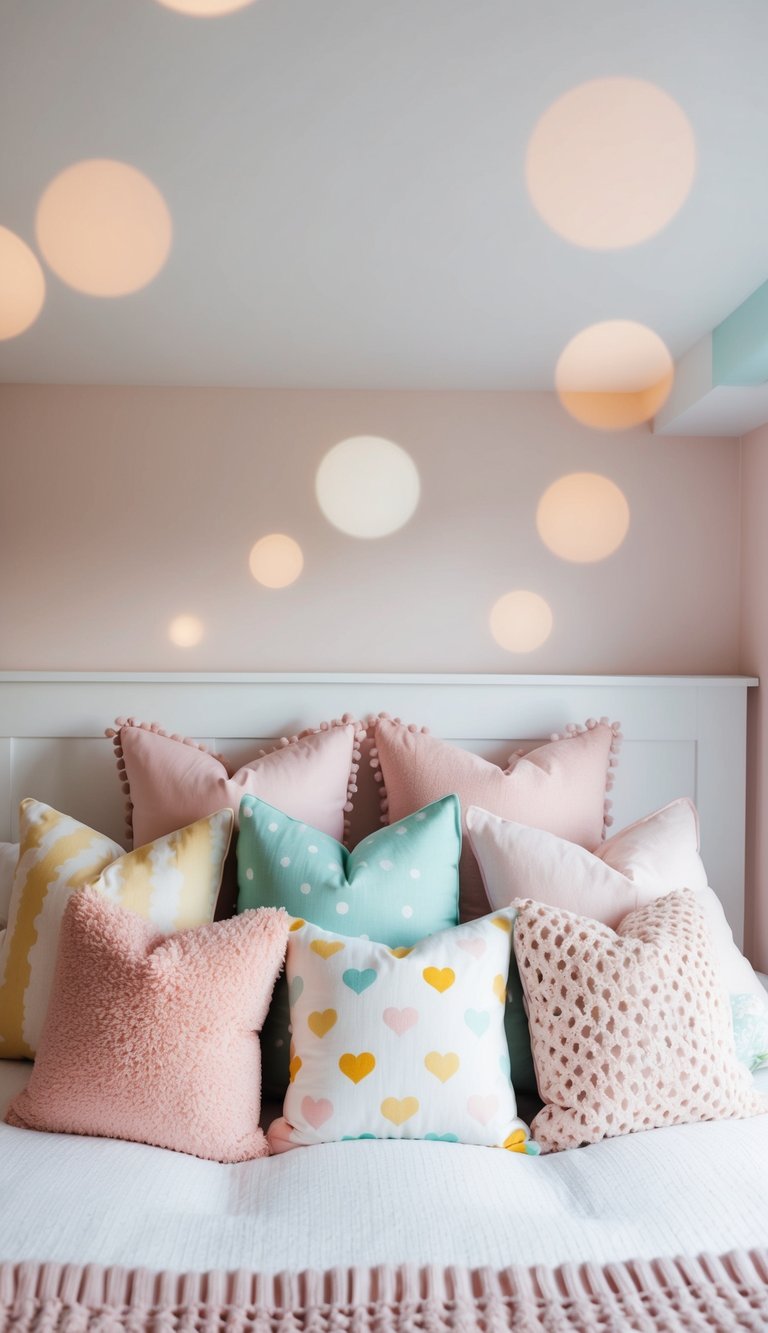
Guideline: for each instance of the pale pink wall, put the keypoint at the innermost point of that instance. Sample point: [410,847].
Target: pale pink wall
[754,660]
[121,507]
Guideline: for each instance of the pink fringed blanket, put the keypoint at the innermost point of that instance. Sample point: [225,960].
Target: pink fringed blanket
[730,1293]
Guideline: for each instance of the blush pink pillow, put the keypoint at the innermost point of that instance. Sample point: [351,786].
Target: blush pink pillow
[170,782]
[560,787]
[637,865]
[630,1030]
[154,1037]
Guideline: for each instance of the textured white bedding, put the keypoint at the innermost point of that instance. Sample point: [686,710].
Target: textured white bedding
[663,1193]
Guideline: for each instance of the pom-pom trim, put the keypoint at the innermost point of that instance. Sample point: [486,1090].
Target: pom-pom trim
[569,732]
[115,735]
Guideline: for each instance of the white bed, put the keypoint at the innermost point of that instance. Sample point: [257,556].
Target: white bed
[664,1193]
[441,1209]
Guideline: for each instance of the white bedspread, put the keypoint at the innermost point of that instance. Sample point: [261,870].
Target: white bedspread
[663,1193]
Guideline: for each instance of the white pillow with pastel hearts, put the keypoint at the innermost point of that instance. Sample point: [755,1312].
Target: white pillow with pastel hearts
[403,1043]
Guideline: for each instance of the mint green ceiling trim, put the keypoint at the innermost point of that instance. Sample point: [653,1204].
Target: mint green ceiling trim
[740,343]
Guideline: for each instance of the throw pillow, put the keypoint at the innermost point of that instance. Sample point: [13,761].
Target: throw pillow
[400,1043]
[631,1029]
[560,786]
[155,1038]
[172,882]
[637,865]
[170,781]
[398,884]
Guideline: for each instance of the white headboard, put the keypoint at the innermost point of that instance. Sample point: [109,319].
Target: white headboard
[683,735]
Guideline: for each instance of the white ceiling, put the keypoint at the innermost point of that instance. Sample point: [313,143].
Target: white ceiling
[346,183]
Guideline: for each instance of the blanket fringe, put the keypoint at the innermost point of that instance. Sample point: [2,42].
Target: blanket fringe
[683,1295]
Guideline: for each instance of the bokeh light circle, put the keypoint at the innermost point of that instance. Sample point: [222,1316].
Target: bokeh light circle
[276,560]
[186,631]
[22,285]
[611,162]
[521,621]
[367,486]
[205,9]
[614,374]
[103,227]
[583,517]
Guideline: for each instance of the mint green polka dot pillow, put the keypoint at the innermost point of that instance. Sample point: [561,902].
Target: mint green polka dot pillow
[397,886]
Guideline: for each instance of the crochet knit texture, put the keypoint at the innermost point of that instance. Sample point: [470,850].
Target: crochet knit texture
[629,1030]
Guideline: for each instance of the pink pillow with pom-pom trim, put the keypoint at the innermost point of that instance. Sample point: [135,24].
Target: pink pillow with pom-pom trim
[152,1037]
[560,787]
[312,777]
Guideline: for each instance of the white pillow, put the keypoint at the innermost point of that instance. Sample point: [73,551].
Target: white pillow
[9,855]
[643,861]
[403,1043]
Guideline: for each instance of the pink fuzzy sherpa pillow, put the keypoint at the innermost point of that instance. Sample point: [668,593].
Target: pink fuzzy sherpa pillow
[155,1038]
[170,781]
[630,1030]
[560,787]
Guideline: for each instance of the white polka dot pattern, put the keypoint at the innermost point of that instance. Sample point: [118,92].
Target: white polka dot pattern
[629,1030]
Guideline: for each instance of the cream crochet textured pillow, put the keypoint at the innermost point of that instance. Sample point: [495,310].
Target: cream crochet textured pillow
[630,1030]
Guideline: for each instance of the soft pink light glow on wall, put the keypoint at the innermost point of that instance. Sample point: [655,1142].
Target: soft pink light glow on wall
[610,163]
[276,560]
[521,621]
[614,374]
[186,631]
[205,8]
[583,517]
[104,228]
[22,285]
[367,486]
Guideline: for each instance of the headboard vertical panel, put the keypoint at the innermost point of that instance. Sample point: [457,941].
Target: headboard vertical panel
[721,796]
[7,825]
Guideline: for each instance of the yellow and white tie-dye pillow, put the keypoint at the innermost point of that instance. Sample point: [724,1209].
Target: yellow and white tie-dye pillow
[172,882]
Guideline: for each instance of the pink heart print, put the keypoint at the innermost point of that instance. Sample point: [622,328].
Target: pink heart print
[400,1020]
[316,1112]
[474,946]
[483,1109]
